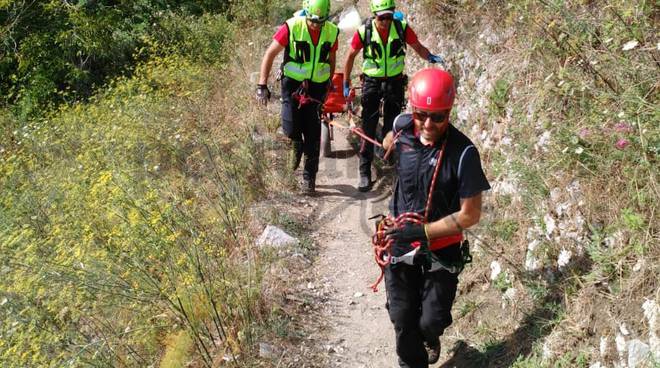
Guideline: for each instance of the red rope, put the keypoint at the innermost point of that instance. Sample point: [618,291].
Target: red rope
[438,163]
[382,245]
[391,149]
[355,130]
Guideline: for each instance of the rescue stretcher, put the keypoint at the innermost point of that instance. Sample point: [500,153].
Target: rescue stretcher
[334,104]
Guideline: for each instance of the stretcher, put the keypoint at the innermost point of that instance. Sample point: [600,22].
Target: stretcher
[336,104]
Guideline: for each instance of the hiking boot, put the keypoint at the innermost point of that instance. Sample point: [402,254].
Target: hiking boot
[309,186]
[433,351]
[365,183]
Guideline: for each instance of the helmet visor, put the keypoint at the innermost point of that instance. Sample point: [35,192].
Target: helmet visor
[384,12]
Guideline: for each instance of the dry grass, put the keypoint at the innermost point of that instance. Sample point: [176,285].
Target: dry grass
[568,75]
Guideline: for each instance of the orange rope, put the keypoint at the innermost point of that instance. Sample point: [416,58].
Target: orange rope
[355,130]
[382,245]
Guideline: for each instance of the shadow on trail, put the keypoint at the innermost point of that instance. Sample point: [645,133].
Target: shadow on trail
[348,195]
[539,323]
[337,190]
[342,154]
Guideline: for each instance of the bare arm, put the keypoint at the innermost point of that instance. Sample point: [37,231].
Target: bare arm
[468,215]
[348,66]
[421,50]
[267,62]
[388,140]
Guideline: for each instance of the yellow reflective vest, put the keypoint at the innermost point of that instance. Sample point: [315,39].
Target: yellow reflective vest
[303,60]
[383,60]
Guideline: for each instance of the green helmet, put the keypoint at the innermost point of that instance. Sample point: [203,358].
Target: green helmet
[380,5]
[317,9]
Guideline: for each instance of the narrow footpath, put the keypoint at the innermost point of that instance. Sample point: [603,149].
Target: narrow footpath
[358,331]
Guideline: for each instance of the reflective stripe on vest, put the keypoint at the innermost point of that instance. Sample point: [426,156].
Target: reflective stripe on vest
[304,60]
[381,63]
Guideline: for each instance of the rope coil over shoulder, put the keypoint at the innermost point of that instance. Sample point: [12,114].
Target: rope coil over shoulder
[382,245]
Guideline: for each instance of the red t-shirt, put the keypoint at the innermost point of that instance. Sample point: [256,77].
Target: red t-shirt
[411,37]
[282,36]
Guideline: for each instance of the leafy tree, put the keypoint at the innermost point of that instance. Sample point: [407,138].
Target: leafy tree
[61,50]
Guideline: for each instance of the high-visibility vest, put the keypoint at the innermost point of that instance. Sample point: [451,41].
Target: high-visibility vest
[303,60]
[383,60]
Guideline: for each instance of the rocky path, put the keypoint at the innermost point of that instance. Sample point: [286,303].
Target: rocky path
[359,333]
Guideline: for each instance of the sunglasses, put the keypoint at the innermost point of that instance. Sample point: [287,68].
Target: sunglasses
[316,19]
[385,17]
[436,117]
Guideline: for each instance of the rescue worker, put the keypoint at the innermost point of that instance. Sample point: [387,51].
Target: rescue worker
[309,42]
[421,288]
[383,40]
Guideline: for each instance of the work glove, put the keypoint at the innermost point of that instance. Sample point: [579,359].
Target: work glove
[433,59]
[408,233]
[263,94]
[347,89]
[398,15]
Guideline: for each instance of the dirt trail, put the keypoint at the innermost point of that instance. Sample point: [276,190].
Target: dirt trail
[359,332]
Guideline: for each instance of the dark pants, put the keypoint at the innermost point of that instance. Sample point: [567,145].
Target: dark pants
[373,89]
[303,124]
[419,304]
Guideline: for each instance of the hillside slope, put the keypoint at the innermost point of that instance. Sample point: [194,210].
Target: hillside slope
[562,100]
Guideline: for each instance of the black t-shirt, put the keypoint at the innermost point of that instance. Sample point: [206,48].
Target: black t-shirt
[460,176]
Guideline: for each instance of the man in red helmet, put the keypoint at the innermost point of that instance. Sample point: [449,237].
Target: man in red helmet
[435,160]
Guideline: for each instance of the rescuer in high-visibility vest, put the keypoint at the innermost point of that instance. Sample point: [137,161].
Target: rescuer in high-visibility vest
[309,42]
[383,40]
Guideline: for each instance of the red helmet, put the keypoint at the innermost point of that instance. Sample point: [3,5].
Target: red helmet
[432,89]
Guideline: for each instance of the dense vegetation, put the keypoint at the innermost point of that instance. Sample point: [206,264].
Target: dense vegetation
[59,51]
[124,185]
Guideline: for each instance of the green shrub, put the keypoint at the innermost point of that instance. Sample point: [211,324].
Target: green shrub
[56,51]
[116,215]
[177,353]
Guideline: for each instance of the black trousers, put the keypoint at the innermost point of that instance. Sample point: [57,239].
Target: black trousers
[419,304]
[303,124]
[391,90]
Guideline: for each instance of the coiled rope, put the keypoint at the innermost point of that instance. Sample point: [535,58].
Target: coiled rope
[381,244]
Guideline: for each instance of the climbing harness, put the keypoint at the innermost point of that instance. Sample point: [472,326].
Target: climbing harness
[382,245]
[302,97]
